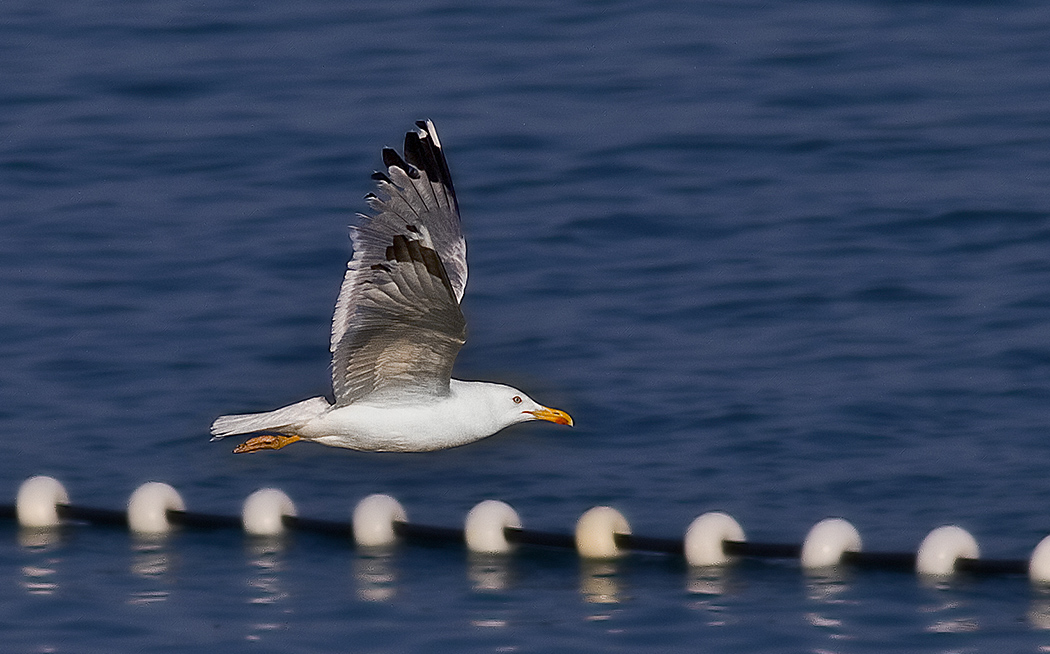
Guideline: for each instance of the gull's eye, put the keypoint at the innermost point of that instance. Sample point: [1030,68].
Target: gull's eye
[517,399]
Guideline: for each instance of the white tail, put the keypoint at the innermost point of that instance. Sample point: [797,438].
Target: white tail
[276,420]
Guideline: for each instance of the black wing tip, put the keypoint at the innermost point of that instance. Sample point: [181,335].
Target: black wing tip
[423,157]
[391,159]
[423,150]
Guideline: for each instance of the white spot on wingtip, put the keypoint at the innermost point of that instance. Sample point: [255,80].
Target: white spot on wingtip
[433,133]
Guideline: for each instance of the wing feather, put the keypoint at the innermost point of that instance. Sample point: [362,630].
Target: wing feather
[397,325]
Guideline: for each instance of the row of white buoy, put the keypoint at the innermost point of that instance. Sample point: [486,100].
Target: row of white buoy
[493,527]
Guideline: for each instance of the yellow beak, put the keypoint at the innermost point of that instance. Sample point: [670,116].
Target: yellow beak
[552,415]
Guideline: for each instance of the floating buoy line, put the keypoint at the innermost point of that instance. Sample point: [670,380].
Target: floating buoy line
[493,527]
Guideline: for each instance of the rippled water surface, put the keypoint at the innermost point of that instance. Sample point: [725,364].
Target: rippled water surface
[784,260]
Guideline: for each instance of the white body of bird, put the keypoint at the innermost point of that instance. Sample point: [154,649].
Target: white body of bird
[471,411]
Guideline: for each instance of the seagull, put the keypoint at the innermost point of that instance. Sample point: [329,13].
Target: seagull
[397,330]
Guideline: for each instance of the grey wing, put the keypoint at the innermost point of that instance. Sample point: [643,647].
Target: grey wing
[397,325]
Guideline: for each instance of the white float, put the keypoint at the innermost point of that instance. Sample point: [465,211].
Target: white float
[264,511]
[485,524]
[1039,564]
[827,541]
[148,508]
[942,547]
[706,536]
[596,533]
[38,500]
[374,519]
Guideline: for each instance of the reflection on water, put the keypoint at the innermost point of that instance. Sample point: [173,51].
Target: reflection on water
[491,575]
[374,573]
[707,580]
[265,559]
[149,559]
[599,583]
[38,539]
[827,588]
[826,584]
[488,572]
[602,586]
[151,562]
[39,580]
[954,626]
[1039,610]
[39,576]
[945,618]
[710,583]
[491,623]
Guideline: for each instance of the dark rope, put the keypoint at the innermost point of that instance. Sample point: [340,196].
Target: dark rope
[431,534]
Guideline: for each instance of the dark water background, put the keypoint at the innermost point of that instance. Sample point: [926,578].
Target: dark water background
[787,260]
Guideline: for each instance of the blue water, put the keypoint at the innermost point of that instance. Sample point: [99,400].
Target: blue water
[784,260]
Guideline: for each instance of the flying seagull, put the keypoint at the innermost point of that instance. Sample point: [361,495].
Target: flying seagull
[397,330]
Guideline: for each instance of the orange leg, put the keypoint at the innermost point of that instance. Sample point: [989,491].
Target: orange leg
[265,442]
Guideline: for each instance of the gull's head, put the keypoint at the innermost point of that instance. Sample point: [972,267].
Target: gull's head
[510,406]
[530,409]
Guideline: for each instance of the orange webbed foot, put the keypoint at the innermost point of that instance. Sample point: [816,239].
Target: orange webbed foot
[265,442]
